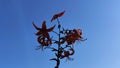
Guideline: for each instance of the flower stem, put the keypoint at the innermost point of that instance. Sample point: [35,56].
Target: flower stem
[59,47]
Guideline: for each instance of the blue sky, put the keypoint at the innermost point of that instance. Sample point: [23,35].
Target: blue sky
[99,20]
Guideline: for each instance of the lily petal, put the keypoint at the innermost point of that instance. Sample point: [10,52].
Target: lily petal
[51,28]
[44,25]
[36,26]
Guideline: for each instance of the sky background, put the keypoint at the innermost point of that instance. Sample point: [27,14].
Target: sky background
[99,20]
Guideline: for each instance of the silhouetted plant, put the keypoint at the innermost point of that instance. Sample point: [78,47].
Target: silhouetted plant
[65,41]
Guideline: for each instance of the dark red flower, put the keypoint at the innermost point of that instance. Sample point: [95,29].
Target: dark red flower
[57,15]
[44,29]
[67,53]
[43,35]
[72,36]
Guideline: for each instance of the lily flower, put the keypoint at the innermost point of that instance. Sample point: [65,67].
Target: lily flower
[44,29]
[72,36]
[67,53]
[57,15]
[43,35]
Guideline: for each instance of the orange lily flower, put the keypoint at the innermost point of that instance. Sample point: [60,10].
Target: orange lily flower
[72,36]
[67,53]
[43,35]
[44,29]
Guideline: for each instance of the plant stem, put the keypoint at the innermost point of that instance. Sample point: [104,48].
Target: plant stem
[59,47]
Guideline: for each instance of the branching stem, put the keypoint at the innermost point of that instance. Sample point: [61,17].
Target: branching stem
[59,47]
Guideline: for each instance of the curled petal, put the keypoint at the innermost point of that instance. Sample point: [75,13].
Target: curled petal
[38,33]
[66,53]
[44,41]
[78,32]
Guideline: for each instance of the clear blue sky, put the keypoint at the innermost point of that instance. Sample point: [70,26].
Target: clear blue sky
[99,20]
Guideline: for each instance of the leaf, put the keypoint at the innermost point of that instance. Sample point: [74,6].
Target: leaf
[53,49]
[54,59]
[56,54]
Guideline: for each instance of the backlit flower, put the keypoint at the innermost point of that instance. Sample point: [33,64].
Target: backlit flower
[67,53]
[57,15]
[43,35]
[72,36]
